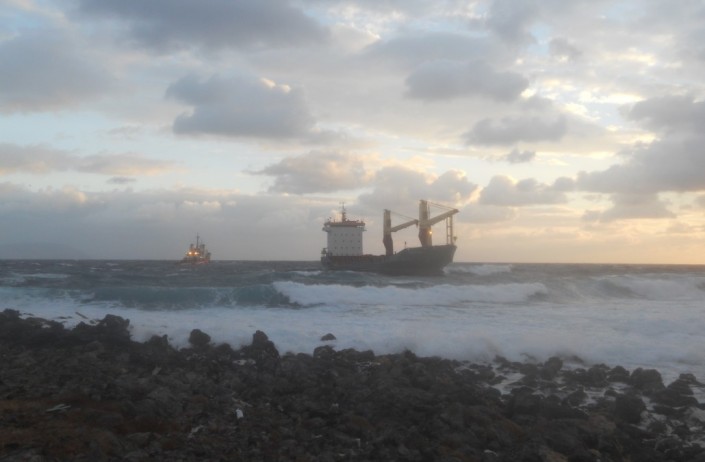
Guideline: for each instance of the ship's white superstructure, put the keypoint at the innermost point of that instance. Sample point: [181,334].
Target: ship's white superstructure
[344,251]
[344,237]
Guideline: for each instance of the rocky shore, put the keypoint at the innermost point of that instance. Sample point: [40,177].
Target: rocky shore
[92,394]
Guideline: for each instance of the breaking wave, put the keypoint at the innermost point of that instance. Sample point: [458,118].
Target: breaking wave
[438,295]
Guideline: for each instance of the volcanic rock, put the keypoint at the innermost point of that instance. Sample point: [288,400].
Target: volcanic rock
[91,393]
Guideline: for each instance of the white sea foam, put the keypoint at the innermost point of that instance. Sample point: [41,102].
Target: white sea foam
[439,295]
[668,338]
[651,320]
[660,288]
[480,270]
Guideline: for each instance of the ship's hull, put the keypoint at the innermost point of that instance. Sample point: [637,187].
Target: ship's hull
[411,261]
[195,261]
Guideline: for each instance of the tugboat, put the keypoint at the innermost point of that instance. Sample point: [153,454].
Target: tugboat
[197,254]
[344,250]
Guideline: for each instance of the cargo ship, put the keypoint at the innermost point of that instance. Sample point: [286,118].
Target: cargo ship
[344,249]
[197,254]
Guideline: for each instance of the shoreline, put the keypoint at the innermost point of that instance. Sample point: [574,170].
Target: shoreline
[92,393]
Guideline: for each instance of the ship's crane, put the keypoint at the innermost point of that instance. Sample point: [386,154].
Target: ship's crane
[426,221]
[389,229]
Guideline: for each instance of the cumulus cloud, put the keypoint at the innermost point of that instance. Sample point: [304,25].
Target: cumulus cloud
[700,201]
[241,106]
[121,180]
[443,79]
[46,69]
[165,25]
[669,114]
[42,160]
[631,206]
[400,188]
[44,204]
[504,191]
[562,49]
[483,214]
[156,223]
[674,162]
[519,157]
[121,164]
[31,159]
[511,130]
[410,50]
[511,19]
[317,172]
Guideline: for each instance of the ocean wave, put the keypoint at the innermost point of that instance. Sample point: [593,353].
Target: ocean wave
[479,270]
[438,295]
[656,287]
[187,297]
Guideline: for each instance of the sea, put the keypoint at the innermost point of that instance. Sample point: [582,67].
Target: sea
[647,316]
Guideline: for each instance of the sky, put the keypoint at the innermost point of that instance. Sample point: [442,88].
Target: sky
[561,131]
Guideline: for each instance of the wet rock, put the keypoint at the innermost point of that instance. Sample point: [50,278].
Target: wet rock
[149,401]
[328,337]
[618,374]
[199,339]
[324,352]
[551,368]
[629,408]
[595,377]
[647,380]
[677,394]
[524,401]
[576,397]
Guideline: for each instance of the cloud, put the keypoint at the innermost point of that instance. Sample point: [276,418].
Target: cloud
[400,189]
[519,157]
[669,114]
[483,214]
[46,203]
[631,206]
[121,164]
[31,159]
[159,224]
[674,162]
[700,201]
[511,19]
[562,49]
[46,69]
[317,172]
[240,106]
[43,160]
[504,191]
[444,79]
[511,130]
[121,180]
[166,25]
[411,49]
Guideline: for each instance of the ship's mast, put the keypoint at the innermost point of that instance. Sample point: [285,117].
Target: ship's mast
[389,229]
[426,222]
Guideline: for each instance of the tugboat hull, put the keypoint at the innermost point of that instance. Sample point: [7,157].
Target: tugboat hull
[411,261]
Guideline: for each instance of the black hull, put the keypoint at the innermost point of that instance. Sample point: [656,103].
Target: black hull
[411,261]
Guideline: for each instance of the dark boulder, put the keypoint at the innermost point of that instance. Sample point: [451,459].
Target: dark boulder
[647,380]
[676,394]
[111,330]
[628,408]
[551,368]
[199,339]
[618,374]
[263,351]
